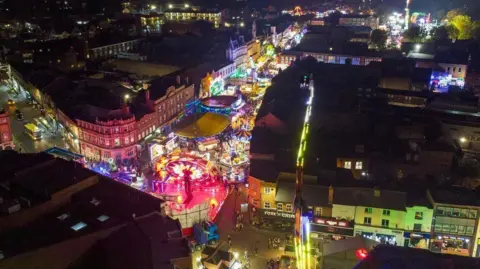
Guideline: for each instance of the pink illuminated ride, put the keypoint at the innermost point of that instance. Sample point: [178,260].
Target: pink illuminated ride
[190,187]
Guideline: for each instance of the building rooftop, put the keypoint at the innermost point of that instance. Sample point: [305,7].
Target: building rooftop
[100,207]
[384,256]
[89,99]
[201,125]
[143,69]
[455,196]
[366,197]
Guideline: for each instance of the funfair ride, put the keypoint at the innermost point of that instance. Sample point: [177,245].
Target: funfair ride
[302,223]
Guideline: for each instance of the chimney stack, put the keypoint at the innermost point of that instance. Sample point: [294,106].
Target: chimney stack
[330,195]
[186,81]
[178,80]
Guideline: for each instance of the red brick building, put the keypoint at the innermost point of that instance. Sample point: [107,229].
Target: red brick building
[6,139]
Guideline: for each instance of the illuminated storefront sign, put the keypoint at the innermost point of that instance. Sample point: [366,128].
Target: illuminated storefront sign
[331,222]
[285,215]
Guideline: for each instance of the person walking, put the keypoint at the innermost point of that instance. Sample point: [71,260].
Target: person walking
[229,241]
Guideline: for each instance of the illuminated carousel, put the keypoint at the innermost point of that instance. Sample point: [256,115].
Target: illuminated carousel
[190,188]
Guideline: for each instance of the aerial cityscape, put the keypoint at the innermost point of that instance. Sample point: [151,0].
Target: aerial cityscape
[197,134]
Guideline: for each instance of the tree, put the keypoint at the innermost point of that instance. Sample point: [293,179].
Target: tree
[413,34]
[464,25]
[452,13]
[378,38]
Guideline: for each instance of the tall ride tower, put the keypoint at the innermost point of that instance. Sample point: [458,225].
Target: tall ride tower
[302,223]
[407,14]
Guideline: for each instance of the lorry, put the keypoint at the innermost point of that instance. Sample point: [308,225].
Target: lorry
[204,233]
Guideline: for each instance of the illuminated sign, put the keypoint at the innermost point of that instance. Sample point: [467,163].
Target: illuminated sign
[279,214]
[331,222]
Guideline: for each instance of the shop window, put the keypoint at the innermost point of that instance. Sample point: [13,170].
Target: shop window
[472,213]
[469,230]
[280,207]
[267,205]
[367,220]
[417,227]
[440,211]
[347,165]
[385,222]
[268,190]
[288,207]
[419,215]
[368,210]
[358,165]
[386,212]
[318,211]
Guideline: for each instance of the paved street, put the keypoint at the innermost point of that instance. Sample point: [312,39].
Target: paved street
[21,139]
[249,237]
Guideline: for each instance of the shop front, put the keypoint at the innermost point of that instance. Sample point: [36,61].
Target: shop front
[448,244]
[331,229]
[381,235]
[276,220]
[416,240]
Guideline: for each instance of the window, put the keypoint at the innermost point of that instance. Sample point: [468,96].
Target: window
[288,207]
[446,228]
[461,229]
[368,210]
[63,216]
[456,212]
[469,230]
[453,228]
[347,165]
[268,190]
[78,226]
[367,220]
[438,227]
[117,141]
[385,222]
[358,165]
[280,207]
[318,211]
[440,211]
[464,213]
[472,214]
[417,227]
[103,218]
[386,212]
[126,140]
[267,205]
[459,70]
[419,215]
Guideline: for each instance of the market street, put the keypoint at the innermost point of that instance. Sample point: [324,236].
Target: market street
[21,139]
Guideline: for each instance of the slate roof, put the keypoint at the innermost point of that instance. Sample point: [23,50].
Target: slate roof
[365,197]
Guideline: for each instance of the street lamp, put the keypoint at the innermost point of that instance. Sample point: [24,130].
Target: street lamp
[187,5]
[127,96]
[418,47]
[170,6]
[463,139]
[235,255]
[153,7]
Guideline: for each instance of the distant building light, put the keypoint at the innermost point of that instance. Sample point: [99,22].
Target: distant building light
[170,6]
[187,5]
[79,226]
[103,218]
